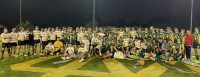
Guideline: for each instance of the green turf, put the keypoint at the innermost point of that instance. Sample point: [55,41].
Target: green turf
[5,63]
[0,44]
[20,74]
[77,76]
[49,63]
[95,65]
[129,64]
[171,72]
[5,70]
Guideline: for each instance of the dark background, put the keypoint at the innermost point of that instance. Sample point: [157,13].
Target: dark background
[118,13]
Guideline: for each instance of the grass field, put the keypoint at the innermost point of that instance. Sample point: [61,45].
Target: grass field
[36,66]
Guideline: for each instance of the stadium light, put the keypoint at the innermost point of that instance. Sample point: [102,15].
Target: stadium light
[20,14]
[191,15]
[94,10]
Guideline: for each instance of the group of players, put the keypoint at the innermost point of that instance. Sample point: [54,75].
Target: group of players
[125,43]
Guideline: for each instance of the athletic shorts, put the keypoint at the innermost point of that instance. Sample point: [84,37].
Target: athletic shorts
[45,43]
[65,41]
[94,45]
[31,43]
[13,44]
[196,44]
[26,42]
[21,43]
[5,44]
[73,42]
[126,47]
[112,54]
[36,41]
[78,43]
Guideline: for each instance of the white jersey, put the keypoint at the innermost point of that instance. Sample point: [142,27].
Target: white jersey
[94,40]
[13,37]
[5,37]
[27,34]
[101,34]
[21,36]
[52,36]
[36,34]
[126,42]
[86,43]
[45,36]
[82,49]
[121,34]
[70,50]
[59,34]
[49,48]
[80,36]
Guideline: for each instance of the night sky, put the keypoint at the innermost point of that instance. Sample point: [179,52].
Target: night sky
[108,12]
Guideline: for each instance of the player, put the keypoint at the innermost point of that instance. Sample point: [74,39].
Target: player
[82,51]
[5,43]
[69,53]
[37,40]
[13,41]
[21,41]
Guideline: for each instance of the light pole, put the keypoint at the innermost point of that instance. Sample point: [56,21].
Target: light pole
[20,12]
[94,10]
[191,15]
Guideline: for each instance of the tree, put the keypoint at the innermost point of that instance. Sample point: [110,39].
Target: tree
[25,25]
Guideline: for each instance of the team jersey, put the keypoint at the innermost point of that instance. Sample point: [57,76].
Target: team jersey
[21,36]
[13,37]
[161,35]
[101,34]
[45,36]
[94,40]
[179,46]
[59,34]
[153,35]
[70,50]
[27,34]
[196,36]
[139,34]
[182,36]
[49,48]
[127,33]
[145,35]
[138,44]
[90,35]
[82,49]
[121,34]
[126,42]
[107,42]
[86,43]
[72,36]
[99,42]
[57,45]
[5,37]
[52,36]
[176,36]
[80,36]
[133,34]
[36,34]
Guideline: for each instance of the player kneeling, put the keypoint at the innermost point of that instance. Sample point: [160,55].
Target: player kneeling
[49,49]
[69,52]
[57,46]
[82,51]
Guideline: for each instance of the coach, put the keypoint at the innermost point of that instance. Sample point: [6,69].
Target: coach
[188,44]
